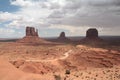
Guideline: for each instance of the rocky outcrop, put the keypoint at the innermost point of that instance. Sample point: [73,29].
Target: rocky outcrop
[63,38]
[30,31]
[32,36]
[92,37]
[92,33]
[62,35]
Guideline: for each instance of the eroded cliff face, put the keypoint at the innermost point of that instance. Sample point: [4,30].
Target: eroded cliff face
[30,31]
[31,36]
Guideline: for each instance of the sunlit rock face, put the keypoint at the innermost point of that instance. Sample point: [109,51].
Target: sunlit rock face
[30,31]
[31,36]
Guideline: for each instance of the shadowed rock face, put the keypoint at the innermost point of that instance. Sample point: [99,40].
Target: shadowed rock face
[92,37]
[62,35]
[92,33]
[63,38]
[30,31]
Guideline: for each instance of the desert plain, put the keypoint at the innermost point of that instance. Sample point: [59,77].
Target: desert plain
[20,61]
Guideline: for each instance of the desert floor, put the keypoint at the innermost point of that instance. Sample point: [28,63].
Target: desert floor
[58,62]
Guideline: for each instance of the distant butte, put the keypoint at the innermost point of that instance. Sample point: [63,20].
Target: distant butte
[62,35]
[63,38]
[32,36]
[92,33]
[92,36]
[30,31]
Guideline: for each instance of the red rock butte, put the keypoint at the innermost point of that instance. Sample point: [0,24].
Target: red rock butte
[63,38]
[31,36]
[92,36]
[30,31]
[92,33]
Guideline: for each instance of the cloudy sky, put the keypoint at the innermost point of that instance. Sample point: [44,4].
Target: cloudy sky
[53,16]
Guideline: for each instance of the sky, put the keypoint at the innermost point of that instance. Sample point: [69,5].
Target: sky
[51,17]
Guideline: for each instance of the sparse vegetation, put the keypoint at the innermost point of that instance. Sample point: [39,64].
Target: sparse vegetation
[67,72]
[57,77]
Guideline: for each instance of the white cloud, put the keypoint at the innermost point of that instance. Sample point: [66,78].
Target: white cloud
[10,33]
[4,30]
[6,16]
[74,13]
[31,13]
[74,16]
[22,3]
[71,29]
[81,30]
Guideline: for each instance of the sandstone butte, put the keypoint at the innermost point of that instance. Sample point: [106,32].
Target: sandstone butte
[92,36]
[63,38]
[32,36]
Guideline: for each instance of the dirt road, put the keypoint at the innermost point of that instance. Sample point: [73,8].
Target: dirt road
[66,54]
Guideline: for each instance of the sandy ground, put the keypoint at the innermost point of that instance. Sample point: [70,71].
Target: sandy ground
[94,74]
[50,62]
[9,72]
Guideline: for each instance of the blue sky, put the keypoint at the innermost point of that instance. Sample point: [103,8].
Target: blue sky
[6,7]
[51,17]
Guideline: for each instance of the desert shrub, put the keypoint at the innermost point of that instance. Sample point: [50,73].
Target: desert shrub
[67,72]
[57,77]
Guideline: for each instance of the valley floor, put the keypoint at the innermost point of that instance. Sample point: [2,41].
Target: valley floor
[58,62]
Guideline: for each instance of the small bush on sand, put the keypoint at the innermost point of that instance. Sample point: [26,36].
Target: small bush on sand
[57,77]
[67,72]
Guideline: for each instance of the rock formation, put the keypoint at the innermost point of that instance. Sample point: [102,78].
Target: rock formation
[63,38]
[30,31]
[92,37]
[92,33]
[62,35]
[32,36]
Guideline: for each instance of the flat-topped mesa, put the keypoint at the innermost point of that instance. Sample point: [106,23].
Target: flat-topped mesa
[30,31]
[92,37]
[92,33]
